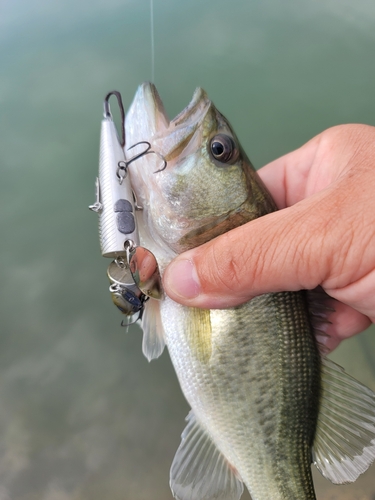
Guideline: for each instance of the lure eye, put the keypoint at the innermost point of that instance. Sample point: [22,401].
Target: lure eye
[223,149]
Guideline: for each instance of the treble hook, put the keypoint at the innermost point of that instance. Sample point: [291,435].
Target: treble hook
[123,165]
[126,324]
[145,152]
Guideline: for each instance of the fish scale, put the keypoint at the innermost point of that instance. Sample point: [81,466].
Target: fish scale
[262,423]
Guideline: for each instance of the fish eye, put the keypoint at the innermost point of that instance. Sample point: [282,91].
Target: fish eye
[223,149]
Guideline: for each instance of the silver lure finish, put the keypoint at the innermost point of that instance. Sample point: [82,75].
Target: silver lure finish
[134,275]
[114,203]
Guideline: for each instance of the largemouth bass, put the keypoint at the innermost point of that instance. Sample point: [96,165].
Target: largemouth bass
[264,403]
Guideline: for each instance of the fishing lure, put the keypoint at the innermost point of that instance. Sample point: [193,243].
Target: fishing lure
[133,274]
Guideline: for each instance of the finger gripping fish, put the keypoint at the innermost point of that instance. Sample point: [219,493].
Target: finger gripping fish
[264,402]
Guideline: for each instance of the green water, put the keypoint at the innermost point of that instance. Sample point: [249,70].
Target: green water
[83,416]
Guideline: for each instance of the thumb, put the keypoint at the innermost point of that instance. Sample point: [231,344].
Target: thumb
[283,251]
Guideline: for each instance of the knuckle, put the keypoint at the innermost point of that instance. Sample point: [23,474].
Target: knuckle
[225,262]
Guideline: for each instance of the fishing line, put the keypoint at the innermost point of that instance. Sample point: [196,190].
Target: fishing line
[152,41]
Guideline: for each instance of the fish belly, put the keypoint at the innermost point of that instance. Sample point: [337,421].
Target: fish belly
[252,375]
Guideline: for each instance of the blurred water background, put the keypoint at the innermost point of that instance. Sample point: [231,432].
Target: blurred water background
[83,415]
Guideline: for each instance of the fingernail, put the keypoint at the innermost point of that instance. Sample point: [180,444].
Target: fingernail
[181,279]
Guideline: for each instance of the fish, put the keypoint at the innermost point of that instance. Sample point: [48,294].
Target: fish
[265,402]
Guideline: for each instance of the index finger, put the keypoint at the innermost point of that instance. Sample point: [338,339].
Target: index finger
[287,176]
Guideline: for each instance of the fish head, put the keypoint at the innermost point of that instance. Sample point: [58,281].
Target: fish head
[208,185]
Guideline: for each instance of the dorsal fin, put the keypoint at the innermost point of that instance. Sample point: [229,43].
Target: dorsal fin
[320,309]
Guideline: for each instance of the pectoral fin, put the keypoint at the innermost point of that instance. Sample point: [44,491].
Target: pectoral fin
[153,333]
[199,470]
[344,444]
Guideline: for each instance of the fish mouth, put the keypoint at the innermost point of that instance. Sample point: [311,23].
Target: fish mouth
[194,111]
[147,120]
[147,109]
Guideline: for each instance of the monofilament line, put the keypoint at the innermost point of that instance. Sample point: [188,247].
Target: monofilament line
[152,41]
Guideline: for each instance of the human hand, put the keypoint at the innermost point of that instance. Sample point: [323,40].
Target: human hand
[323,234]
